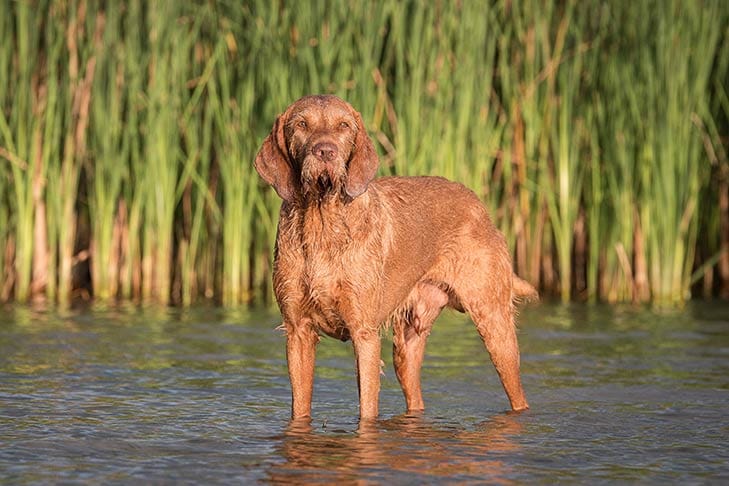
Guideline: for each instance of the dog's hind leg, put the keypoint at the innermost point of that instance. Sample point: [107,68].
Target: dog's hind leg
[497,330]
[490,306]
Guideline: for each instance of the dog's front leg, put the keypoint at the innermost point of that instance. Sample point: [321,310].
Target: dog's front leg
[367,354]
[301,341]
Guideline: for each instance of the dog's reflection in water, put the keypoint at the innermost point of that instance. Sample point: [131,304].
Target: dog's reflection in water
[407,446]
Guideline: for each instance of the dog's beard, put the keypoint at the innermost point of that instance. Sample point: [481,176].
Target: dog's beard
[324,183]
[320,181]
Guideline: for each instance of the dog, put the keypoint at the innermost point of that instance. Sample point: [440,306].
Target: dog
[355,254]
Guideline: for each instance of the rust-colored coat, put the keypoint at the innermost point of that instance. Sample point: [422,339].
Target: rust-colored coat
[355,253]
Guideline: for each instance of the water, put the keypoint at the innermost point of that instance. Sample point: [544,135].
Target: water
[201,396]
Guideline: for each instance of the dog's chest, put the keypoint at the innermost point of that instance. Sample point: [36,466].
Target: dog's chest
[325,294]
[333,281]
[326,245]
[326,276]
[331,263]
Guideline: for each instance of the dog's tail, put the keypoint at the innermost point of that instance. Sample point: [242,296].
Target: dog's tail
[523,291]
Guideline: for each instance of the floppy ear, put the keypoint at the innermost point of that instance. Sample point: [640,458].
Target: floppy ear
[273,163]
[363,163]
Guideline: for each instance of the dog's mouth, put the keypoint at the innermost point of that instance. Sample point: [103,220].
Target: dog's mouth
[322,182]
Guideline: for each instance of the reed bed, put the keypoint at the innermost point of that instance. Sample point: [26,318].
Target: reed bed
[128,131]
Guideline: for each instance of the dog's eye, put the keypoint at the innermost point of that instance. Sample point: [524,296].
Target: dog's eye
[301,124]
[344,125]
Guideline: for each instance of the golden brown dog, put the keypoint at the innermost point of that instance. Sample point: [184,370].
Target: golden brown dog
[355,253]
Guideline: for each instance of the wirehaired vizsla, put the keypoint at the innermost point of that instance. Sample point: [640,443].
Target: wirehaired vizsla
[355,254]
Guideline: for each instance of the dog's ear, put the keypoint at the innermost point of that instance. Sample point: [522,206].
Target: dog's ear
[274,164]
[363,163]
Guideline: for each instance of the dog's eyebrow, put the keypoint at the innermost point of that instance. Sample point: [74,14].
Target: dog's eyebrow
[294,117]
[349,119]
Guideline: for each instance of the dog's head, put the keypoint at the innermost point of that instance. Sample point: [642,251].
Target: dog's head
[318,147]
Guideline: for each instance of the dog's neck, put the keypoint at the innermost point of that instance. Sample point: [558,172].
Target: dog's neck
[329,222]
[326,220]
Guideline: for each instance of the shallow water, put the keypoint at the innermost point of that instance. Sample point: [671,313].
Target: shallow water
[201,396]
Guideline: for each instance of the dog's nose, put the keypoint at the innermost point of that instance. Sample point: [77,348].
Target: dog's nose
[324,151]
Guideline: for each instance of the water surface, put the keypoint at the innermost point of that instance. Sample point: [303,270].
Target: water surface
[202,396]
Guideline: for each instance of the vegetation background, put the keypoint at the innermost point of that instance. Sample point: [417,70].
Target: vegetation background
[595,131]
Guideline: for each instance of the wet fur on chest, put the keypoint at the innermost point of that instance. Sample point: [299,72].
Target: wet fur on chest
[327,244]
[341,266]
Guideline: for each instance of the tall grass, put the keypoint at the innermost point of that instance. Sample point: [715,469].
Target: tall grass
[677,72]
[717,222]
[17,124]
[128,130]
[105,175]
[656,148]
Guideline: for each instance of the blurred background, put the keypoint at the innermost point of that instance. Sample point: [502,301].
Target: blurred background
[596,132]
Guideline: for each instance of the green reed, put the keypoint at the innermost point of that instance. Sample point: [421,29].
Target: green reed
[717,222]
[111,148]
[128,131]
[675,70]
[49,212]
[231,112]
[6,235]
[16,127]
[525,62]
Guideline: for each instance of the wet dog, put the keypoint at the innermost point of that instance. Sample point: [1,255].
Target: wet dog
[355,254]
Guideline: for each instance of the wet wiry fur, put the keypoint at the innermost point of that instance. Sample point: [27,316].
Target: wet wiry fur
[355,253]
